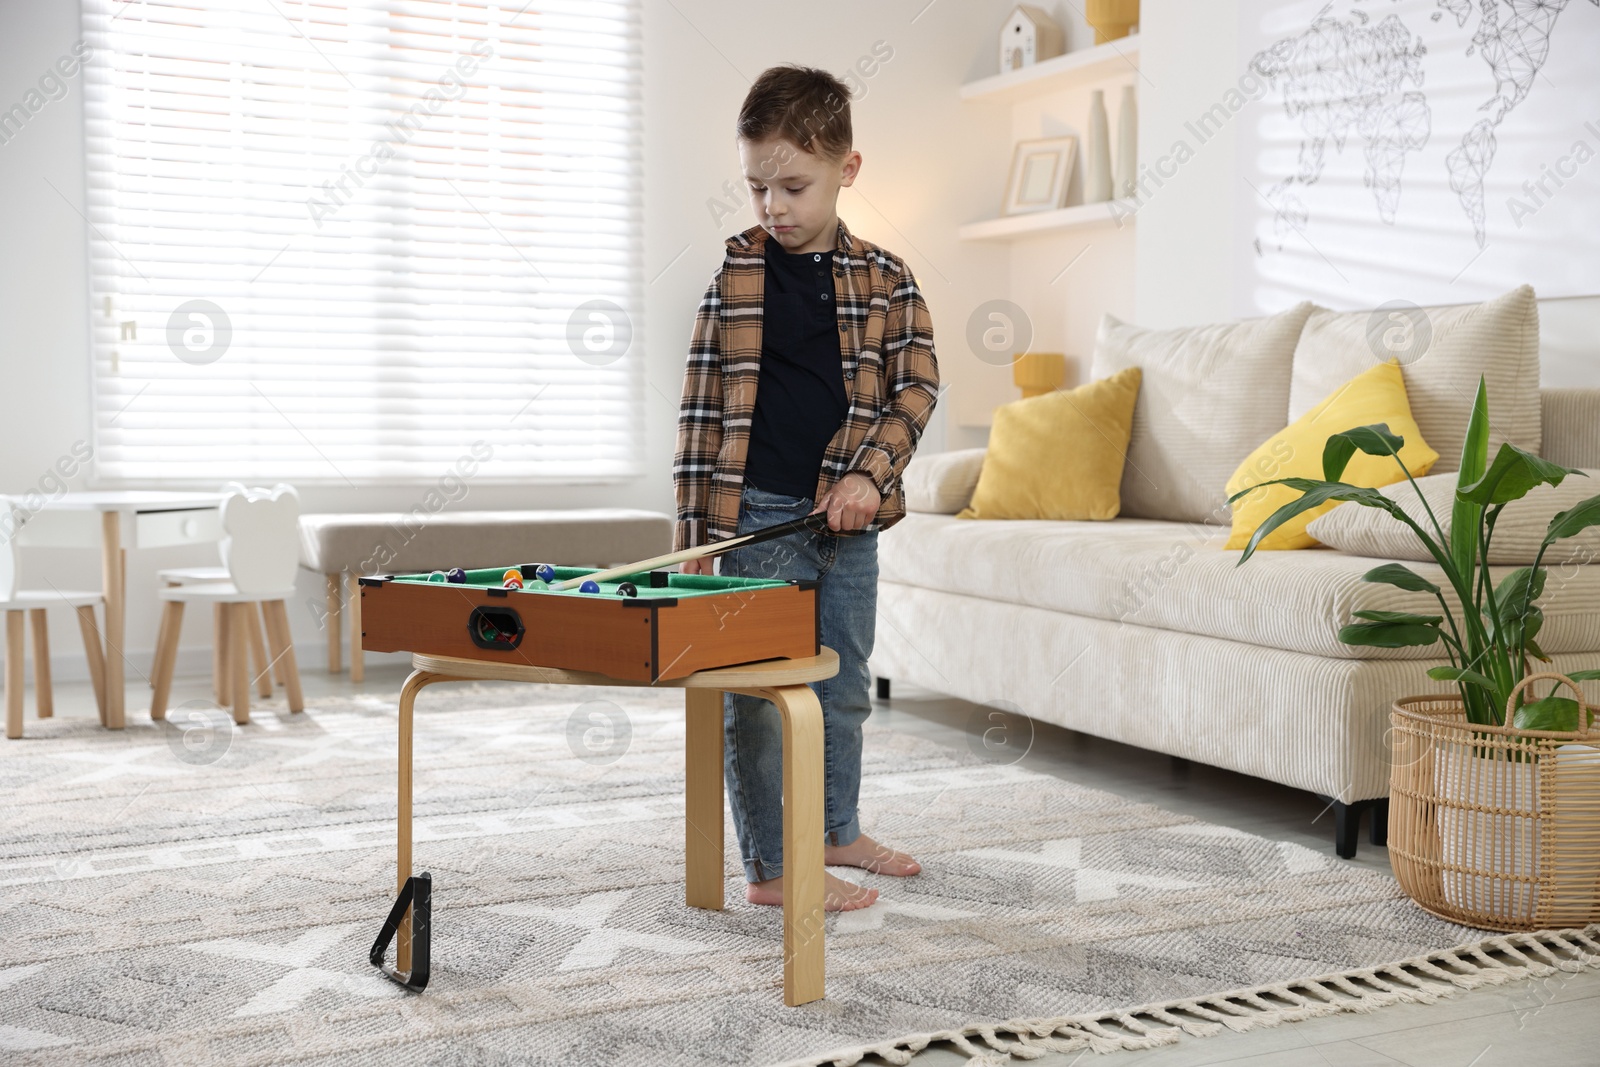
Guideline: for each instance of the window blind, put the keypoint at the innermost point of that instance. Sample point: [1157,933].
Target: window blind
[346,242]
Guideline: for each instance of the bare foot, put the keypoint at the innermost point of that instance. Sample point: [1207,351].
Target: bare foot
[837,894]
[867,854]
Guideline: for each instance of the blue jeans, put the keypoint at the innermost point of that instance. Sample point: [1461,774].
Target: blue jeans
[846,569]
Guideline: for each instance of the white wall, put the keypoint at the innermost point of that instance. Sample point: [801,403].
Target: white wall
[929,163]
[1184,270]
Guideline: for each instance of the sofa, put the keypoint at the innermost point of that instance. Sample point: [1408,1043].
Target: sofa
[1143,629]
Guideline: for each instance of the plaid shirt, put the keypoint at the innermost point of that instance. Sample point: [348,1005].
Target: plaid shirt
[886,345]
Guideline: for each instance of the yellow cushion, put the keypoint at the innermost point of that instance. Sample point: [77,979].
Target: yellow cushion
[1058,456]
[1376,395]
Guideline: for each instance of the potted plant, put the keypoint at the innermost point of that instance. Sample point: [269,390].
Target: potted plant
[1479,778]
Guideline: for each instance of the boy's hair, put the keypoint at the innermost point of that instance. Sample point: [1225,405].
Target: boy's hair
[801,104]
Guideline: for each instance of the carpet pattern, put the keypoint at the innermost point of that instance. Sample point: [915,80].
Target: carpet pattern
[185,892]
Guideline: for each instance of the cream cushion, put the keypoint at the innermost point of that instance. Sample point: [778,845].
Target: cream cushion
[941,482]
[1210,395]
[1179,577]
[420,540]
[1517,533]
[1570,426]
[1498,340]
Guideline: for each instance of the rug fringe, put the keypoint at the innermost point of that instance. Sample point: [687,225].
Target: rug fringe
[1421,980]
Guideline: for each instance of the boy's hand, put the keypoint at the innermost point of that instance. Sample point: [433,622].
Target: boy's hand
[703,565]
[851,503]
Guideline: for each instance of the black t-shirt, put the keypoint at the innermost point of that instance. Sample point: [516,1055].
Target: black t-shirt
[800,395]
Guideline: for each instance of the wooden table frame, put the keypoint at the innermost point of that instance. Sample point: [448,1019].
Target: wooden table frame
[781,681]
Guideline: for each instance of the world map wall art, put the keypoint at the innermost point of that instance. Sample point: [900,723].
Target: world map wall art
[1435,151]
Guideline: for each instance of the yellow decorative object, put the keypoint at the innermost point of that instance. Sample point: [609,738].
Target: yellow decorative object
[1373,396]
[1037,373]
[1110,18]
[1058,456]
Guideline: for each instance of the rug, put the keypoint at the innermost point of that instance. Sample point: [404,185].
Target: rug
[191,893]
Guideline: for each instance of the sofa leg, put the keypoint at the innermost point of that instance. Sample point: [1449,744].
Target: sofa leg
[1380,822]
[883,688]
[1346,828]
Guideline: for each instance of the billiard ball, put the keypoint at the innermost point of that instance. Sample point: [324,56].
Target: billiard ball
[510,574]
[511,582]
[456,575]
[437,576]
[589,587]
[537,584]
[544,572]
[627,589]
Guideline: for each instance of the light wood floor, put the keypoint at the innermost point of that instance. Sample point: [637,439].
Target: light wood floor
[1550,1023]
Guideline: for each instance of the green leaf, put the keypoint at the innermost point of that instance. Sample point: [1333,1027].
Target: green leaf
[1401,577]
[1313,494]
[1374,440]
[1460,674]
[1398,616]
[1578,517]
[1464,514]
[1533,647]
[1388,634]
[1512,591]
[1583,676]
[1551,713]
[1513,473]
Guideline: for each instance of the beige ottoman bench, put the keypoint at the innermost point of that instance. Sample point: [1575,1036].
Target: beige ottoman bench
[344,547]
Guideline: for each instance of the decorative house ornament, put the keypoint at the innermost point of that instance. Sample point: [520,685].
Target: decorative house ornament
[1097,153]
[1029,35]
[1111,19]
[1040,173]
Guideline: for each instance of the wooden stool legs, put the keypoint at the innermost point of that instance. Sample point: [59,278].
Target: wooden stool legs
[702,802]
[331,622]
[43,693]
[803,818]
[238,637]
[408,698]
[15,652]
[44,699]
[803,821]
[258,652]
[358,667]
[281,643]
[219,657]
[166,657]
[239,660]
[92,650]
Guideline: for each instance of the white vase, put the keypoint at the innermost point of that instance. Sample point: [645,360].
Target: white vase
[1127,177]
[1097,164]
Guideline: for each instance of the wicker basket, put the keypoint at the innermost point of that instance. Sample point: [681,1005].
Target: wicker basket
[1492,826]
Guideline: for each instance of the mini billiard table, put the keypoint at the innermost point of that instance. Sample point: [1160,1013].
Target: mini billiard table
[671,625]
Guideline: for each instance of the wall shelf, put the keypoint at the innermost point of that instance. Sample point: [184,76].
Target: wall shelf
[1081,66]
[1066,218]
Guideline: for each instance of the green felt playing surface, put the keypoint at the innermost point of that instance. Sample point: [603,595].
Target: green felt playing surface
[678,585]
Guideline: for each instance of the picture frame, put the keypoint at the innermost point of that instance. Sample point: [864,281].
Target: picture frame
[1041,171]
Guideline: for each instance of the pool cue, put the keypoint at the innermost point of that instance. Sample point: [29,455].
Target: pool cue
[817,521]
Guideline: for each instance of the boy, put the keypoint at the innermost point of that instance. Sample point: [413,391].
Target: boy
[837,335]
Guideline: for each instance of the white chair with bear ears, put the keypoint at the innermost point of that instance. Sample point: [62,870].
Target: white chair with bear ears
[16,603]
[261,550]
[260,674]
